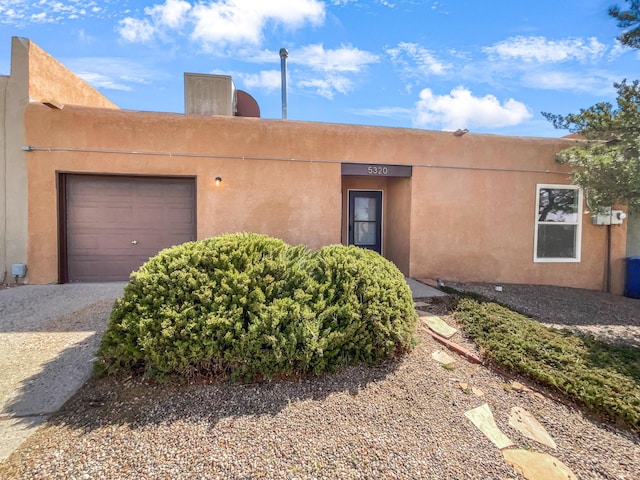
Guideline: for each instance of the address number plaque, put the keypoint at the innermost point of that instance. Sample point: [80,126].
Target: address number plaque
[376,170]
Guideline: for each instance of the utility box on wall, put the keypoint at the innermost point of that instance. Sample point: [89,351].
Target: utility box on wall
[609,217]
[19,270]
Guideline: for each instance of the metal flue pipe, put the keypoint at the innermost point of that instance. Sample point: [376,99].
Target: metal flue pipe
[283,67]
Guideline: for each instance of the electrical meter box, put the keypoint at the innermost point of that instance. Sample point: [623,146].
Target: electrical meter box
[609,217]
[19,270]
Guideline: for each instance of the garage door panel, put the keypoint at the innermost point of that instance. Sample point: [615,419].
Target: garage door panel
[87,213]
[84,242]
[103,268]
[114,224]
[147,215]
[180,216]
[100,242]
[117,188]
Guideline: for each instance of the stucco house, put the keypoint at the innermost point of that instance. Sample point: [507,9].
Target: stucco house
[91,191]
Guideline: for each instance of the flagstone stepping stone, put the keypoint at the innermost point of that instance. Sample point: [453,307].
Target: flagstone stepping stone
[482,418]
[518,387]
[421,304]
[442,357]
[538,466]
[476,391]
[525,423]
[439,326]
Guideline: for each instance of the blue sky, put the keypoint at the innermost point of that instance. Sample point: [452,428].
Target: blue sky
[489,66]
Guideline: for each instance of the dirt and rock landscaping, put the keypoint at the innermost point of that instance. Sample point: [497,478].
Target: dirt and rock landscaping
[611,318]
[403,419]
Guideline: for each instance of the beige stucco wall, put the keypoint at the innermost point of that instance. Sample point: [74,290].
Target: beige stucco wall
[35,76]
[633,238]
[294,201]
[16,96]
[479,226]
[49,80]
[4,82]
[398,223]
[466,214]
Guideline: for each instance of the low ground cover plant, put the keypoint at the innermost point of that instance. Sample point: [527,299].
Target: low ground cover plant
[251,306]
[603,378]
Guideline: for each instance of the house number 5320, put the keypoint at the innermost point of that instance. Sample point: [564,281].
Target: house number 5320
[377,170]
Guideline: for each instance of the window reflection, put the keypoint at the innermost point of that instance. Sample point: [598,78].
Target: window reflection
[364,209]
[558,205]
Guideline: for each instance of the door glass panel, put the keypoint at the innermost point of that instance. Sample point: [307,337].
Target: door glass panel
[364,209]
[364,233]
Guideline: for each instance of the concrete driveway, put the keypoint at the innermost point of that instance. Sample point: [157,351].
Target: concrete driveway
[48,338]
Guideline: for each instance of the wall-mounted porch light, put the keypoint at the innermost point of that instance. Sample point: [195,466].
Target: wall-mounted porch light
[218,181]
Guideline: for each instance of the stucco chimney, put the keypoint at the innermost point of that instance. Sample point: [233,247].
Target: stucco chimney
[209,94]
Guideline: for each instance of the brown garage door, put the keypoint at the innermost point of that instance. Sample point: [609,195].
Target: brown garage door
[114,224]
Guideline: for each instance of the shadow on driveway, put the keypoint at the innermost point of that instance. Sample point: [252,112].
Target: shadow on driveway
[48,338]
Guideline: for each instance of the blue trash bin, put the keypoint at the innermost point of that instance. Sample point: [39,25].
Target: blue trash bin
[632,278]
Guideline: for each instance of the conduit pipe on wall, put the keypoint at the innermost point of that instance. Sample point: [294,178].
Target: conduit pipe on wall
[30,148]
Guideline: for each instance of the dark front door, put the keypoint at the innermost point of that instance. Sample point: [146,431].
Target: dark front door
[365,219]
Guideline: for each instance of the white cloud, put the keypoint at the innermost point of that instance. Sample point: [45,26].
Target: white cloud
[243,21]
[333,65]
[541,50]
[416,61]
[595,83]
[267,79]
[385,112]
[325,71]
[346,58]
[328,86]
[343,59]
[134,30]
[360,3]
[40,18]
[618,50]
[222,22]
[22,12]
[460,109]
[98,80]
[172,13]
[113,73]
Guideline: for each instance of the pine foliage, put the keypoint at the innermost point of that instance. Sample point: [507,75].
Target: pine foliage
[607,163]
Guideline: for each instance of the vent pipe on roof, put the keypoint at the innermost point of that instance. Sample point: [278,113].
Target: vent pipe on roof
[283,67]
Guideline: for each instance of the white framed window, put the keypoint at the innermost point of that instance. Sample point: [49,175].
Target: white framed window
[558,229]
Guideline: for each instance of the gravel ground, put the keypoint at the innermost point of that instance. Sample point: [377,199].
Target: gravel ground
[402,420]
[611,318]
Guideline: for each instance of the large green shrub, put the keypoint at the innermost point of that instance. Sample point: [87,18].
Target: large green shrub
[252,306]
[364,305]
